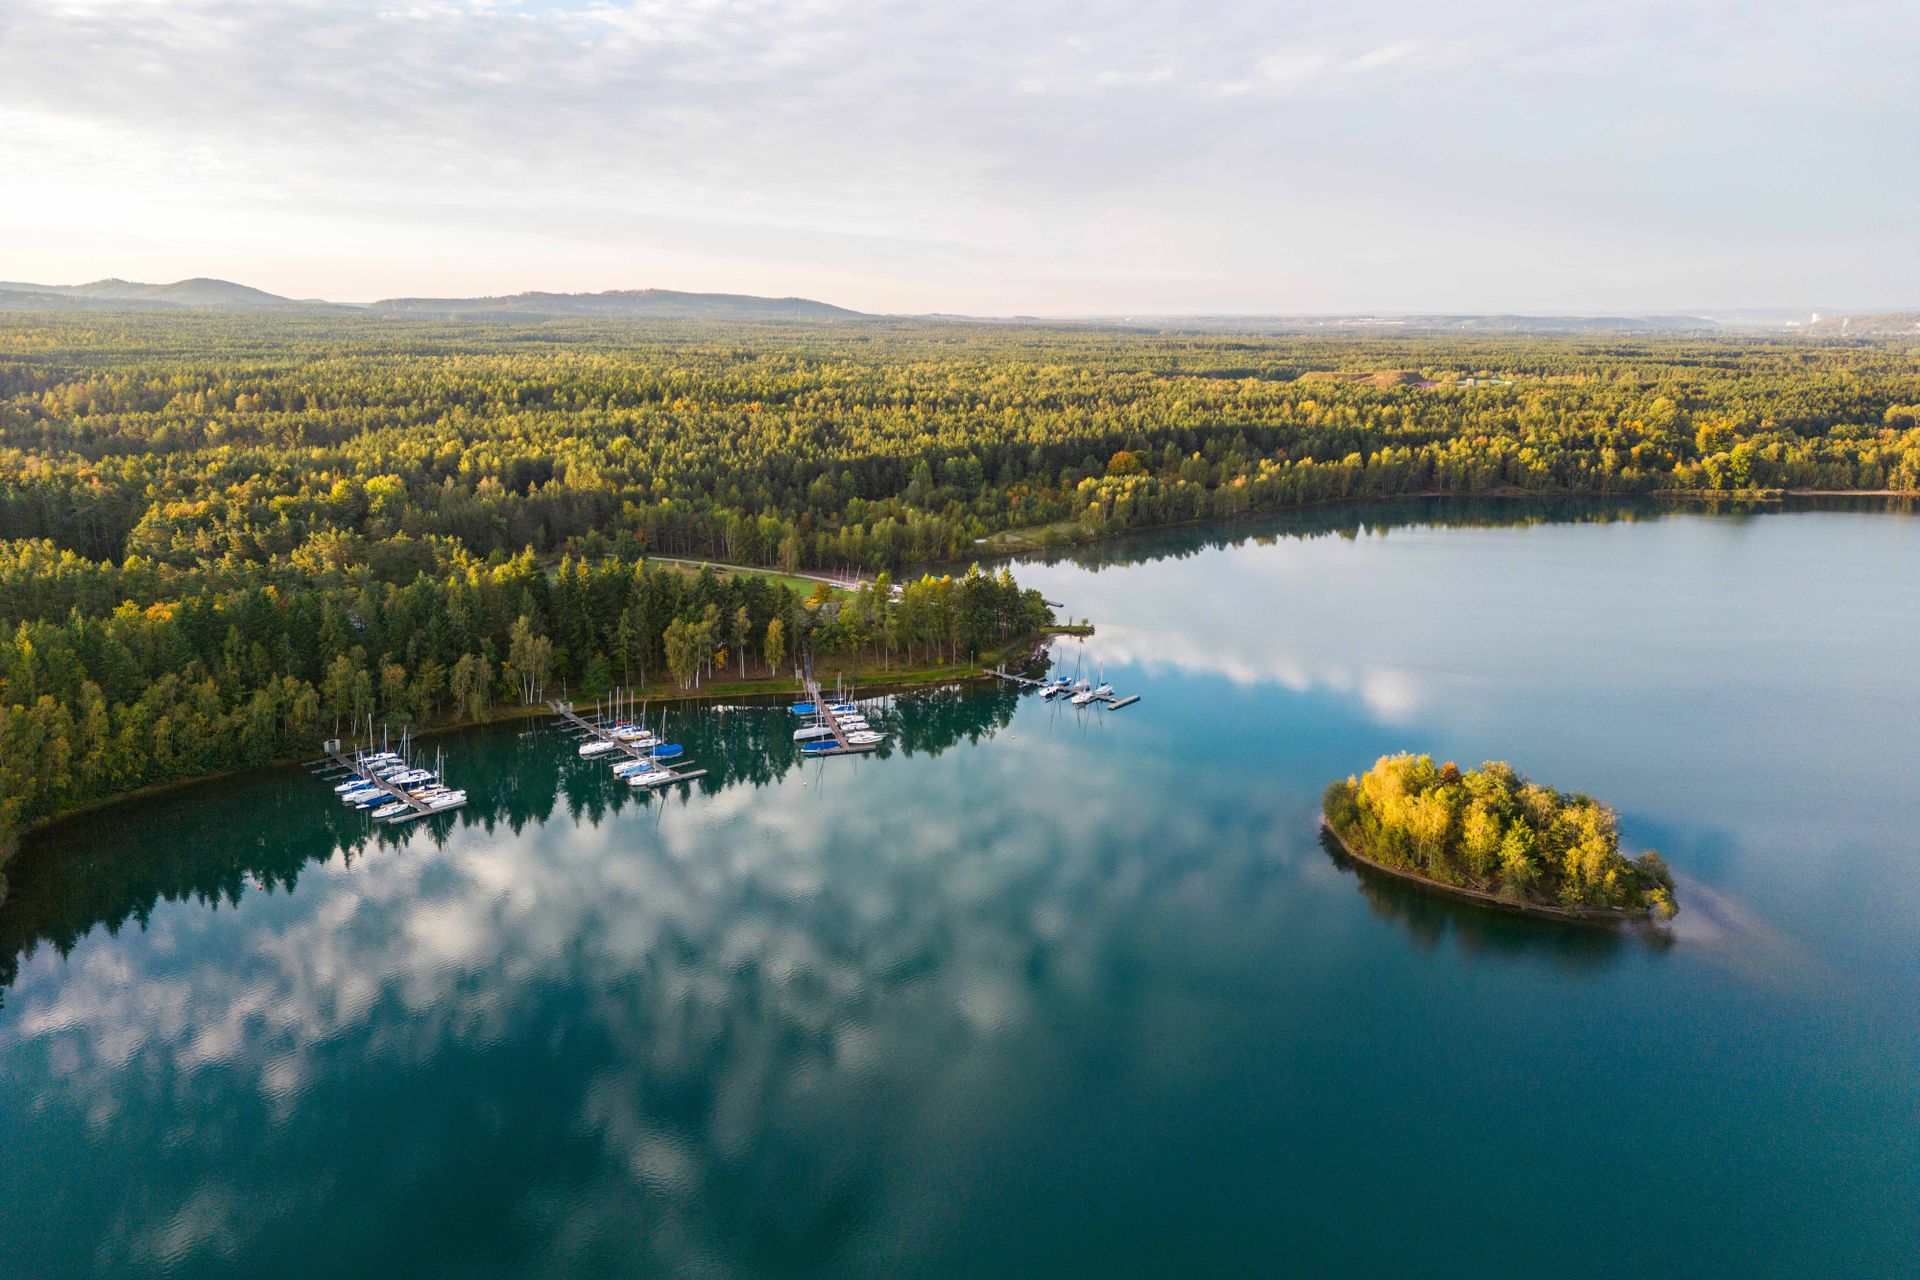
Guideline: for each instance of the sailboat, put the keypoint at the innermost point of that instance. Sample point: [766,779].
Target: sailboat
[816,726]
[1082,687]
[651,773]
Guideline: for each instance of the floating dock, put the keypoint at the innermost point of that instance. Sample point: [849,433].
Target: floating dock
[588,730]
[1112,700]
[354,766]
[841,746]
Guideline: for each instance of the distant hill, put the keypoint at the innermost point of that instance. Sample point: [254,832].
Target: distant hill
[225,295]
[202,293]
[665,304]
[197,292]
[15,297]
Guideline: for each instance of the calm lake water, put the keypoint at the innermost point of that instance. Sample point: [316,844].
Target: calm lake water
[1039,992]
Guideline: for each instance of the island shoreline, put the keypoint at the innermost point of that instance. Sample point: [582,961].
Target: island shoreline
[1593,917]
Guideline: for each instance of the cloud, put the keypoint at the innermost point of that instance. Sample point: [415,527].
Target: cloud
[1374,59]
[1317,71]
[1239,153]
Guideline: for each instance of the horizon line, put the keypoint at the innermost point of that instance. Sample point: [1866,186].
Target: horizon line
[1399,312]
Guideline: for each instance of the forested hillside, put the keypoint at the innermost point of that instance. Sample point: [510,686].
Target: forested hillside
[220,535]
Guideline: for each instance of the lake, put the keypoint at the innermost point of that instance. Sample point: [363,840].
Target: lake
[1045,992]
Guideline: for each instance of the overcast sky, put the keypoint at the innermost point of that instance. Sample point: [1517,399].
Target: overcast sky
[1037,156]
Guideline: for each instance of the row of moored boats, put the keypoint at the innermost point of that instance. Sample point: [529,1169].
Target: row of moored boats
[1080,692]
[834,727]
[644,759]
[389,786]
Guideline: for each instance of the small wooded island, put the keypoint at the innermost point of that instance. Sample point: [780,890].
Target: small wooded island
[1491,835]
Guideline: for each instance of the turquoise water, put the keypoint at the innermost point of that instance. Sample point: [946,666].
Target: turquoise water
[1039,992]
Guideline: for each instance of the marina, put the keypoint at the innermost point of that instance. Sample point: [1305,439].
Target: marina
[640,757]
[836,728]
[392,787]
[387,784]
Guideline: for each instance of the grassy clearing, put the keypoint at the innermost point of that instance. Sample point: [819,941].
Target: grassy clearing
[1033,537]
[803,587]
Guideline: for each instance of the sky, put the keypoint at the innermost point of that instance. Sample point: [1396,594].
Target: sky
[1041,157]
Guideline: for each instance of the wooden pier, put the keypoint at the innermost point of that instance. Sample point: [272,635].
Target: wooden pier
[841,746]
[584,729]
[353,766]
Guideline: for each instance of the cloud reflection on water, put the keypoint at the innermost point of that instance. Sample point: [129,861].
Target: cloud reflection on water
[831,1017]
[777,954]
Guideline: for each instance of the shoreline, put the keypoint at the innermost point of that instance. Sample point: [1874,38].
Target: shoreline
[867,683]
[1853,493]
[1033,548]
[1775,494]
[973,672]
[1029,547]
[1593,916]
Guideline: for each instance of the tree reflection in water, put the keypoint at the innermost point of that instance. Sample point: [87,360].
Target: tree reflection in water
[216,841]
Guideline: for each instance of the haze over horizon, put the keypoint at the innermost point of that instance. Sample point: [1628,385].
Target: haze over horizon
[997,159]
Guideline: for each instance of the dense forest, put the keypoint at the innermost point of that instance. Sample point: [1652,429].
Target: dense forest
[222,535]
[244,663]
[184,440]
[1491,831]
